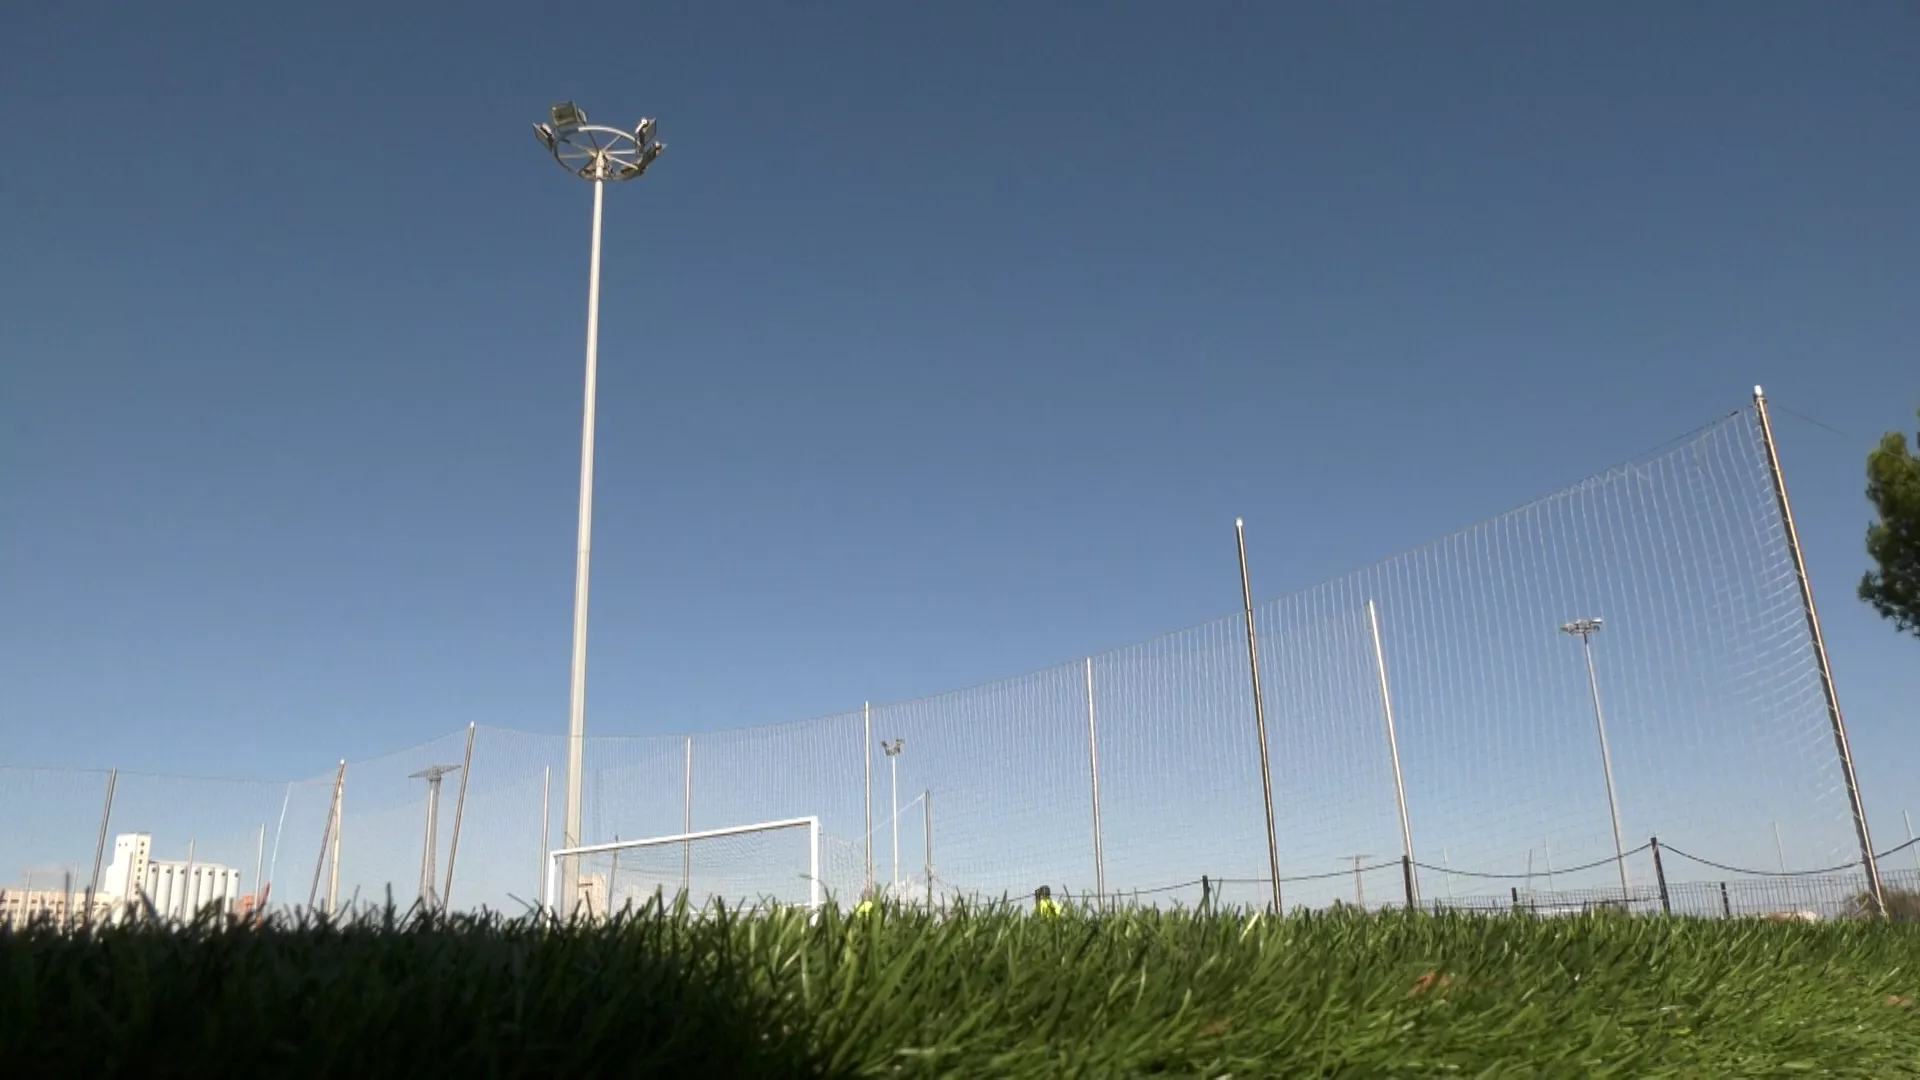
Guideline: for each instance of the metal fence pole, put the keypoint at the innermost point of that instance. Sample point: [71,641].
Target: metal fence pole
[613,875]
[686,825]
[339,826]
[1393,748]
[1726,903]
[926,818]
[546,837]
[459,811]
[1839,724]
[1660,876]
[100,845]
[1911,846]
[866,786]
[326,835]
[1259,714]
[1093,767]
[279,827]
[259,865]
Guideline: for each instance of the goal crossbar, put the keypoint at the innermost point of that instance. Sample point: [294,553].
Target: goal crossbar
[810,823]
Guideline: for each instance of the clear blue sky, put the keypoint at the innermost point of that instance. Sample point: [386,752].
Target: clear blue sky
[943,345]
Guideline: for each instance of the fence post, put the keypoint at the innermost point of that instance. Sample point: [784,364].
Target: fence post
[926,820]
[1393,750]
[459,811]
[100,846]
[866,786]
[546,837]
[1206,892]
[1406,874]
[686,826]
[326,835]
[339,826]
[1874,892]
[1726,905]
[1514,891]
[613,875]
[1660,875]
[1093,765]
[1259,716]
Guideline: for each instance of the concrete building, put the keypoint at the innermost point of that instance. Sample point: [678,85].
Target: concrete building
[175,890]
[20,907]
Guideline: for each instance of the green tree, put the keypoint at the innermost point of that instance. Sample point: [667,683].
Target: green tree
[1893,542]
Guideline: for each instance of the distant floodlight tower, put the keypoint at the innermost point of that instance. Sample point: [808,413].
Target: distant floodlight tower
[1584,629]
[597,154]
[430,848]
[893,750]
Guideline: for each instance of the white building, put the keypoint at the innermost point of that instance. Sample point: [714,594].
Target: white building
[21,907]
[175,890]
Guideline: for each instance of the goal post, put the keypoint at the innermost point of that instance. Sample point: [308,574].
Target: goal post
[773,862]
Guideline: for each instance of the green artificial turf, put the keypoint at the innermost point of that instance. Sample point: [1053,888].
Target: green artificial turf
[973,994]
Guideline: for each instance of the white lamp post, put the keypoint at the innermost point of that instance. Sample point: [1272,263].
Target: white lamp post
[893,750]
[1584,629]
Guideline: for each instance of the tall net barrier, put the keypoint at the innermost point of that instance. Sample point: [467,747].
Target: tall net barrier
[1702,663]
[762,865]
[1433,730]
[49,824]
[75,832]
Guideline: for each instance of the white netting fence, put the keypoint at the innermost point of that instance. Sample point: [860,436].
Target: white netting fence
[1713,707]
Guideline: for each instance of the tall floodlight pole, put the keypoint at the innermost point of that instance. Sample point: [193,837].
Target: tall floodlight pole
[597,154]
[1359,885]
[1839,724]
[430,847]
[1584,629]
[893,765]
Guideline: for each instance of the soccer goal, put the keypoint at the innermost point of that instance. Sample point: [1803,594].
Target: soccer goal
[769,862]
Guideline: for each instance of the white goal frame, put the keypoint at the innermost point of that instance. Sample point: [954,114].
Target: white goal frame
[811,823]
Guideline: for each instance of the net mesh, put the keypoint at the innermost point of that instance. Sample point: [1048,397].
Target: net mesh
[1704,668]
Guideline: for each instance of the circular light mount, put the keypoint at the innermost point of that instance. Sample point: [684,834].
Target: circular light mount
[597,152]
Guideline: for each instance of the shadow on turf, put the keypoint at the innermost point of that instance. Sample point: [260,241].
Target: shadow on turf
[380,992]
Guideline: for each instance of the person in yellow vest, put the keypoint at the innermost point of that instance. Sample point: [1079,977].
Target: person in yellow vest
[1043,904]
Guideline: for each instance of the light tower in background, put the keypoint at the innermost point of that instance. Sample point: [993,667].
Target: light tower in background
[1584,629]
[893,750]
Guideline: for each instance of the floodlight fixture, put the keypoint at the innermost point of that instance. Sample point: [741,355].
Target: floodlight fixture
[1582,628]
[597,152]
[567,116]
[893,748]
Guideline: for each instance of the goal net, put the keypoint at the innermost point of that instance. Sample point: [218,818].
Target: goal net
[770,863]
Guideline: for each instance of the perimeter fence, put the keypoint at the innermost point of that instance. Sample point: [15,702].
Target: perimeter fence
[1504,707]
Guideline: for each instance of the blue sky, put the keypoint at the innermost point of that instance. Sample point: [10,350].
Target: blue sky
[943,345]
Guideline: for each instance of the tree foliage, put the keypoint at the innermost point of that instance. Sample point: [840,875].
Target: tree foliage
[1893,542]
